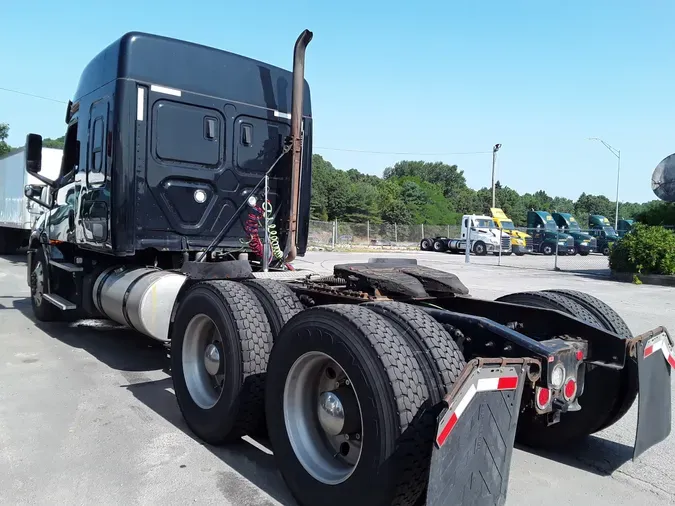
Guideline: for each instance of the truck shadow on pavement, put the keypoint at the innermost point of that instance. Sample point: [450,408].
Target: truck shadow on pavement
[15,259]
[594,454]
[112,344]
[134,354]
[250,458]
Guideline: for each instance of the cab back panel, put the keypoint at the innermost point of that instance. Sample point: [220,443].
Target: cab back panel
[203,156]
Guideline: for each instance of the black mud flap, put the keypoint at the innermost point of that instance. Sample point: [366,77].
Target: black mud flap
[471,457]
[653,351]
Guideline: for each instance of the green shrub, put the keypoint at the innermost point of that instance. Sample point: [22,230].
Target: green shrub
[645,250]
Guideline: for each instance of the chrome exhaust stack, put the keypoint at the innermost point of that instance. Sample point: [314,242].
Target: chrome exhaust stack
[304,39]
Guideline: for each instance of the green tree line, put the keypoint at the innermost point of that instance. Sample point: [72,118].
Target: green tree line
[47,142]
[435,193]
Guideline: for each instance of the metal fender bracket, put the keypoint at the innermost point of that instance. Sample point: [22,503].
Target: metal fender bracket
[471,457]
[655,357]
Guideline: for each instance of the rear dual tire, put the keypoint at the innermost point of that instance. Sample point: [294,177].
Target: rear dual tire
[400,363]
[220,345]
[390,389]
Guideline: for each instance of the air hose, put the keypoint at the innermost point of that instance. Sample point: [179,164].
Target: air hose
[272,232]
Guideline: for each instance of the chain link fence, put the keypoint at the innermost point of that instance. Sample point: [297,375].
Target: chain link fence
[583,251]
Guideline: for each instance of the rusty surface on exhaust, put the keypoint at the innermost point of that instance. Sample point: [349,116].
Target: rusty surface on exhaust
[296,139]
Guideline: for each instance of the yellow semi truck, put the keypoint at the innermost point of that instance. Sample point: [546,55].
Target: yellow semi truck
[521,242]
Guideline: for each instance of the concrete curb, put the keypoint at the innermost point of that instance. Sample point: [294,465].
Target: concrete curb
[647,279]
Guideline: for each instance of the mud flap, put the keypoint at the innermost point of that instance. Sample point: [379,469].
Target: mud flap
[471,457]
[655,358]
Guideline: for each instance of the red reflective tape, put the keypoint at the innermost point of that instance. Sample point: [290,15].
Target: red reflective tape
[443,436]
[671,361]
[649,350]
[507,383]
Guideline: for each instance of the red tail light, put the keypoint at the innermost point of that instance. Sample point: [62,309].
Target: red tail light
[570,389]
[542,397]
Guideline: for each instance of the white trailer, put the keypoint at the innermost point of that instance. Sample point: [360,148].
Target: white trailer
[17,213]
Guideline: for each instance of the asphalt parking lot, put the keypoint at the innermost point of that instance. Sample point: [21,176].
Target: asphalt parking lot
[88,416]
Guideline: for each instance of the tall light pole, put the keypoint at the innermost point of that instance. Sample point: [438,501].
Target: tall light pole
[617,153]
[494,160]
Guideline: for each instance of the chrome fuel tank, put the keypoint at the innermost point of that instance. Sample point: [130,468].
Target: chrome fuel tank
[140,297]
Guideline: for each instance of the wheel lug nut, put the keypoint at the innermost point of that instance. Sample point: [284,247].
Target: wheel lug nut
[347,436]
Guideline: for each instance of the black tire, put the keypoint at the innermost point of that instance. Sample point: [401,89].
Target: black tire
[43,310]
[438,355]
[596,401]
[520,254]
[605,251]
[571,252]
[280,304]
[547,249]
[440,245]
[610,320]
[584,253]
[393,467]
[479,248]
[277,300]
[426,244]
[246,345]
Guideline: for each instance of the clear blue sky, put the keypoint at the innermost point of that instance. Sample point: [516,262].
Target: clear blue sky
[539,77]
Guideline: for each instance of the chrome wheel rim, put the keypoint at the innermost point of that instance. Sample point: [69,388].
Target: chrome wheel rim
[38,283]
[203,361]
[323,418]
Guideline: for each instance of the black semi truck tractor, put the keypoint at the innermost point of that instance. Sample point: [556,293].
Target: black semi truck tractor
[181,203]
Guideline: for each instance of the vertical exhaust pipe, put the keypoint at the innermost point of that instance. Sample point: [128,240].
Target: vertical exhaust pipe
[296,139]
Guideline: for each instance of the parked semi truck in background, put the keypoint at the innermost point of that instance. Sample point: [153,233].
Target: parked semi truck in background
[584,244]
[604,233]
[521,243]
[624,227]
[545,234]
[384,383]
[484,235]
[18,213]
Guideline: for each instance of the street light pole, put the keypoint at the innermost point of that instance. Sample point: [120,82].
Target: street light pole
[617,153]
[494,160]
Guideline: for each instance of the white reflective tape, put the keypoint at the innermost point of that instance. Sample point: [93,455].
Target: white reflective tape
[140,104]
[486,384]
[165,90]
[465,401]
[284,115]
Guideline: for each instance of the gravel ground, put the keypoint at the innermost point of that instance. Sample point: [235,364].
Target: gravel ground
[88,416]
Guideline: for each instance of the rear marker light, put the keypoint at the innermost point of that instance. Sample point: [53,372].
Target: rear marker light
[543,397]
[580,355]
[570,389]
[557,376]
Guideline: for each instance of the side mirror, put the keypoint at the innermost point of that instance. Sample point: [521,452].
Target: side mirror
[33,153]
[34,193]
[34,159]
